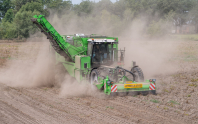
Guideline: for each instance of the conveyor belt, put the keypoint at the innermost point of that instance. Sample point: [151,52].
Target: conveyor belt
[65,49]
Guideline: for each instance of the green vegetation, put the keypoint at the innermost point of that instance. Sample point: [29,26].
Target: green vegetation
[159,16]
[187,37]
[109,107]
[174,102]
[193,84]
[194,80]
[154,100]
[165,90]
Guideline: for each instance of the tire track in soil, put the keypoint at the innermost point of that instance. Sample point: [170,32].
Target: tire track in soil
[106,106]
[153,109]
[101,104]
[136,114]
[75,108]
[150,110]
[96,114]
[87,109]
[41,112]
[9,114]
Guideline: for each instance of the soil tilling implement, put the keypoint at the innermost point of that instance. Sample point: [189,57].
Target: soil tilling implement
[95,59]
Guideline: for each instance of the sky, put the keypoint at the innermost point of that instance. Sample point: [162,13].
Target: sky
[79,1]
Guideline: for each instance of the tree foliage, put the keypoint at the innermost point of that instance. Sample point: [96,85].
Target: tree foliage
[9,16]
[5,5]
[85,7]
[59,5]
[19,3]
[159,16]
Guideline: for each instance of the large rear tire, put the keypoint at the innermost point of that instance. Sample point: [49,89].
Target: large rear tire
[139,76]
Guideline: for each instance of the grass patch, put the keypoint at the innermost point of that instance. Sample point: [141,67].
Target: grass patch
[109,107]
[189,95]
[165,90]
[192,85]
[174,102]
[154,101]
[165,108]
[194,80]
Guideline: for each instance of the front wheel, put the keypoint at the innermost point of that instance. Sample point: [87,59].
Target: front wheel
[93,78]
[139,76]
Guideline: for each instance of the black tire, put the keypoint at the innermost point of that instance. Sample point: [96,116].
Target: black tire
[122,94]
[133,93]
[153,92]
[144,93]
[93,77]
[139,76]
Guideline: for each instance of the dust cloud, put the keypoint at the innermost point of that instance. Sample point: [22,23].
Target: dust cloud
[35,67]
[70,88]
[32,68]
[153,56]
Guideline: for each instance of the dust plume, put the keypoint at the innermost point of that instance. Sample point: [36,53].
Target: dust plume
[31,68]
[70,88]
[35,67]
[152,55]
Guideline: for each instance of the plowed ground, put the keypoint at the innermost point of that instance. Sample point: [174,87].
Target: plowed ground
[176,101]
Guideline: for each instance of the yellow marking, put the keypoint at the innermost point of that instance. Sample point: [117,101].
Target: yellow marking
[133,86]
[129,82]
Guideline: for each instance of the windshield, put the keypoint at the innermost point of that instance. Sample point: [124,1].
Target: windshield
[103,54]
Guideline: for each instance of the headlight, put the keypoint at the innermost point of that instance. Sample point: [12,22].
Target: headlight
[110,82]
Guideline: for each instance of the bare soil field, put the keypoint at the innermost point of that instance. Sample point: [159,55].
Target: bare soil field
[176,101]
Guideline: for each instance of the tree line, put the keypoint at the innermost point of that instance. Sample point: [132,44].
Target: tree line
[159,16]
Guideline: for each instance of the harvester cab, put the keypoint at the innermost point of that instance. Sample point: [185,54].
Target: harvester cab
[95,59]
[102,51]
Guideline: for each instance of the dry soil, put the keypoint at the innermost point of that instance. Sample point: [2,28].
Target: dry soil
[176,100]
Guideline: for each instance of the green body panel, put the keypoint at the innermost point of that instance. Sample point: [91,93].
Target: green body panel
[85,60]
[107,90]
[120,86]
[69,66]
[99,86]
[81,72]
[59,58]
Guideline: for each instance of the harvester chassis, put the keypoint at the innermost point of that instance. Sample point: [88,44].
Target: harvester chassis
[88,58]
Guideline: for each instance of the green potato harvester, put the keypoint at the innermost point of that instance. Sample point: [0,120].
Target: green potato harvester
[95,59]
